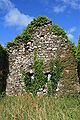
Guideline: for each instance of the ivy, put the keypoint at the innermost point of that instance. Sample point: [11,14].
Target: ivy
[59,31]
[72,47]
[55,73]
[78,57]
[39,77]
[78,51]
[27,80]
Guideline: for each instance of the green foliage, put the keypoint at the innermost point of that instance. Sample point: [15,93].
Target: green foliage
[55,73]
[50,90]
[59,31]
[27,80]
[39,77]
[58,66]
[20,38]
[40,21]
[78,57]
[3,68]
[78,50]
[53,77]
[72,47]
[54,80]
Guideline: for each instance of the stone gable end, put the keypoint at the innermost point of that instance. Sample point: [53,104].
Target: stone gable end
[46,44]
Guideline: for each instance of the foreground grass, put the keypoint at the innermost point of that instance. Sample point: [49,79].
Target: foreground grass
[26,107]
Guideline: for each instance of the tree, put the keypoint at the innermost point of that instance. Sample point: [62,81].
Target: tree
[78,56]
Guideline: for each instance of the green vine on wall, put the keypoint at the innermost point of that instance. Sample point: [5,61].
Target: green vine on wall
[57,30]
[55,74]
[27,80]
[39,77]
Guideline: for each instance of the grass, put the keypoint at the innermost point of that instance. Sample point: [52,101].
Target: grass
[26,107]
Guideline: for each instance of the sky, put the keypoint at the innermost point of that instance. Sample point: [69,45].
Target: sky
[15,15]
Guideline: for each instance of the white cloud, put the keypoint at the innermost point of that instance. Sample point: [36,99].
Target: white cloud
[59,9]
[73,3]
[70,33]
[63,4]
[70,36]
[13,16]
[71,30]
[6,5]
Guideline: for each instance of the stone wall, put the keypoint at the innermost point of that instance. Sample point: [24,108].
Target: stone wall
[46,44]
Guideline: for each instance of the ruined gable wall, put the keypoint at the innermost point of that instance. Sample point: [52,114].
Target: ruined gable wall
[46,45]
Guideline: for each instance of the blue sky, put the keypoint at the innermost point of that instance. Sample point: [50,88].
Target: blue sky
[15,15]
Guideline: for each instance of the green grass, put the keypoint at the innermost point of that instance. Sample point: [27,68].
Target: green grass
[26,107]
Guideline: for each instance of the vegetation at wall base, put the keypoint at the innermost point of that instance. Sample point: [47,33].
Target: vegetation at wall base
[27,107]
